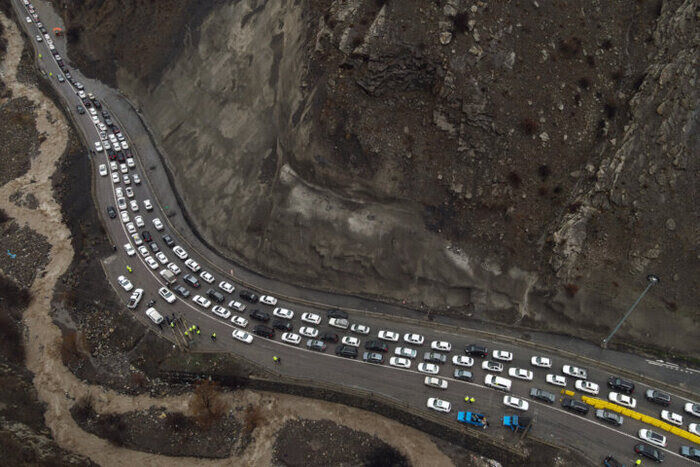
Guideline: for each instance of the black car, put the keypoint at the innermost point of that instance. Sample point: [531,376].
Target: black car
[108,121]
[609,416]
[476,350]
[620,385]
[97,104]
[181,291]
[111,212]
[69,76]
[375,345]
[120,157]
[542,395]
[282,325]
[464,375]
[249,296]
[651,452]
[260,316]
[317,345]
[575,406]
[190,279]
[347,351]
[105,114]
[115,129]
[215,295]
[112,154]
[264,331]
[337,314]
[154,247]
[373,357]
[169,240]
[610,461]
[658,397]
[329,337]
[434,357]
[80,108]
[87,103]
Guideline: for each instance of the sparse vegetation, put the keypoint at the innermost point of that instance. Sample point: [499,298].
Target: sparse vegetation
[252,419]
[207,404]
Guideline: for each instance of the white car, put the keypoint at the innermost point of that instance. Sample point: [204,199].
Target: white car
[439,405]
[557,380]
[134,205]
[406,352]
[129,249]
[118,192]
[400,362]
[206,276]
[489,365]
[201,301]
[672,417]
[221,312]
[574,371]
[312,318]
[587,386]
[115,178]
[126,180]
[462,360]
[144,251]
[442,346]
[692,408]
[308,331]
[137,239]
[503,355]
[135,299]
[192,265]
[239,321]
[103,170]
[180,252]
[268,300]
[694,429]
[429,368]
[520,373]
[542,362]
[291,338]
[130,162]
[125,283]
[390,336]
[153,264]
[226,287]
[351,341]
[125,217]
[516,403]
[137,179]
[38,37]
[242,336]
[359,329]
[129,192]
[158,224]
[167,295]
[29,20]
[174,268]
[339,323]
[412,338]
[622,399]
[139,221]
[283,313]
[102,128]
[98,146]
[147,204]
[236,305]
[434,382]
[131,228]
[121,204]
[113,166]
[653,437]
[160,256]
[124,145]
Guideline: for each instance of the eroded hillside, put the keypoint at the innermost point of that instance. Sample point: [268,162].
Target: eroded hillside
[528,162]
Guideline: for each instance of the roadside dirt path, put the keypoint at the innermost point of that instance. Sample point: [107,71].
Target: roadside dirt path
[59,388]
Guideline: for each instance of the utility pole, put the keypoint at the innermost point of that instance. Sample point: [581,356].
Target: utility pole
[653,279]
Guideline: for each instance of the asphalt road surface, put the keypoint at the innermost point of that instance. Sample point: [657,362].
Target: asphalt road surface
[552,423]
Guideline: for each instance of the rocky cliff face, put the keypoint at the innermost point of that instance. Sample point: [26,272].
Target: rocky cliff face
[528,163]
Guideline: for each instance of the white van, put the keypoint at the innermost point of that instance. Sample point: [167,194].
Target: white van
[156,317]
[498,382]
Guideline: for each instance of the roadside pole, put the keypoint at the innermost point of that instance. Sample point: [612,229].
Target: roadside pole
[653,279]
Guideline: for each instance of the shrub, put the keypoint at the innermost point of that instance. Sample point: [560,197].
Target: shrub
[207,405]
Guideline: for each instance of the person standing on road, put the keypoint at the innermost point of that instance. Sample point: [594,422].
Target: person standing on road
[213,336]
[276,359]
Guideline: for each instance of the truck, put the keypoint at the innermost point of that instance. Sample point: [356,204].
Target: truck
[168,276]
[472,418]
[516,422]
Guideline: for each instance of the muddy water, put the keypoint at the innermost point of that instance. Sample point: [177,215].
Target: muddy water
[59,388]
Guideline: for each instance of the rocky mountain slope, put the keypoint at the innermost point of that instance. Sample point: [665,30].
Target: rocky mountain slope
[526,162]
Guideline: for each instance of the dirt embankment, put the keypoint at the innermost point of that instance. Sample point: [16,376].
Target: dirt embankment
[525,163]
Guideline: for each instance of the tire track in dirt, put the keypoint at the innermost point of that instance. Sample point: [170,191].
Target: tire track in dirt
[59,388]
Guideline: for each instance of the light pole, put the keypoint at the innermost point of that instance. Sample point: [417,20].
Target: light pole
[653,279]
